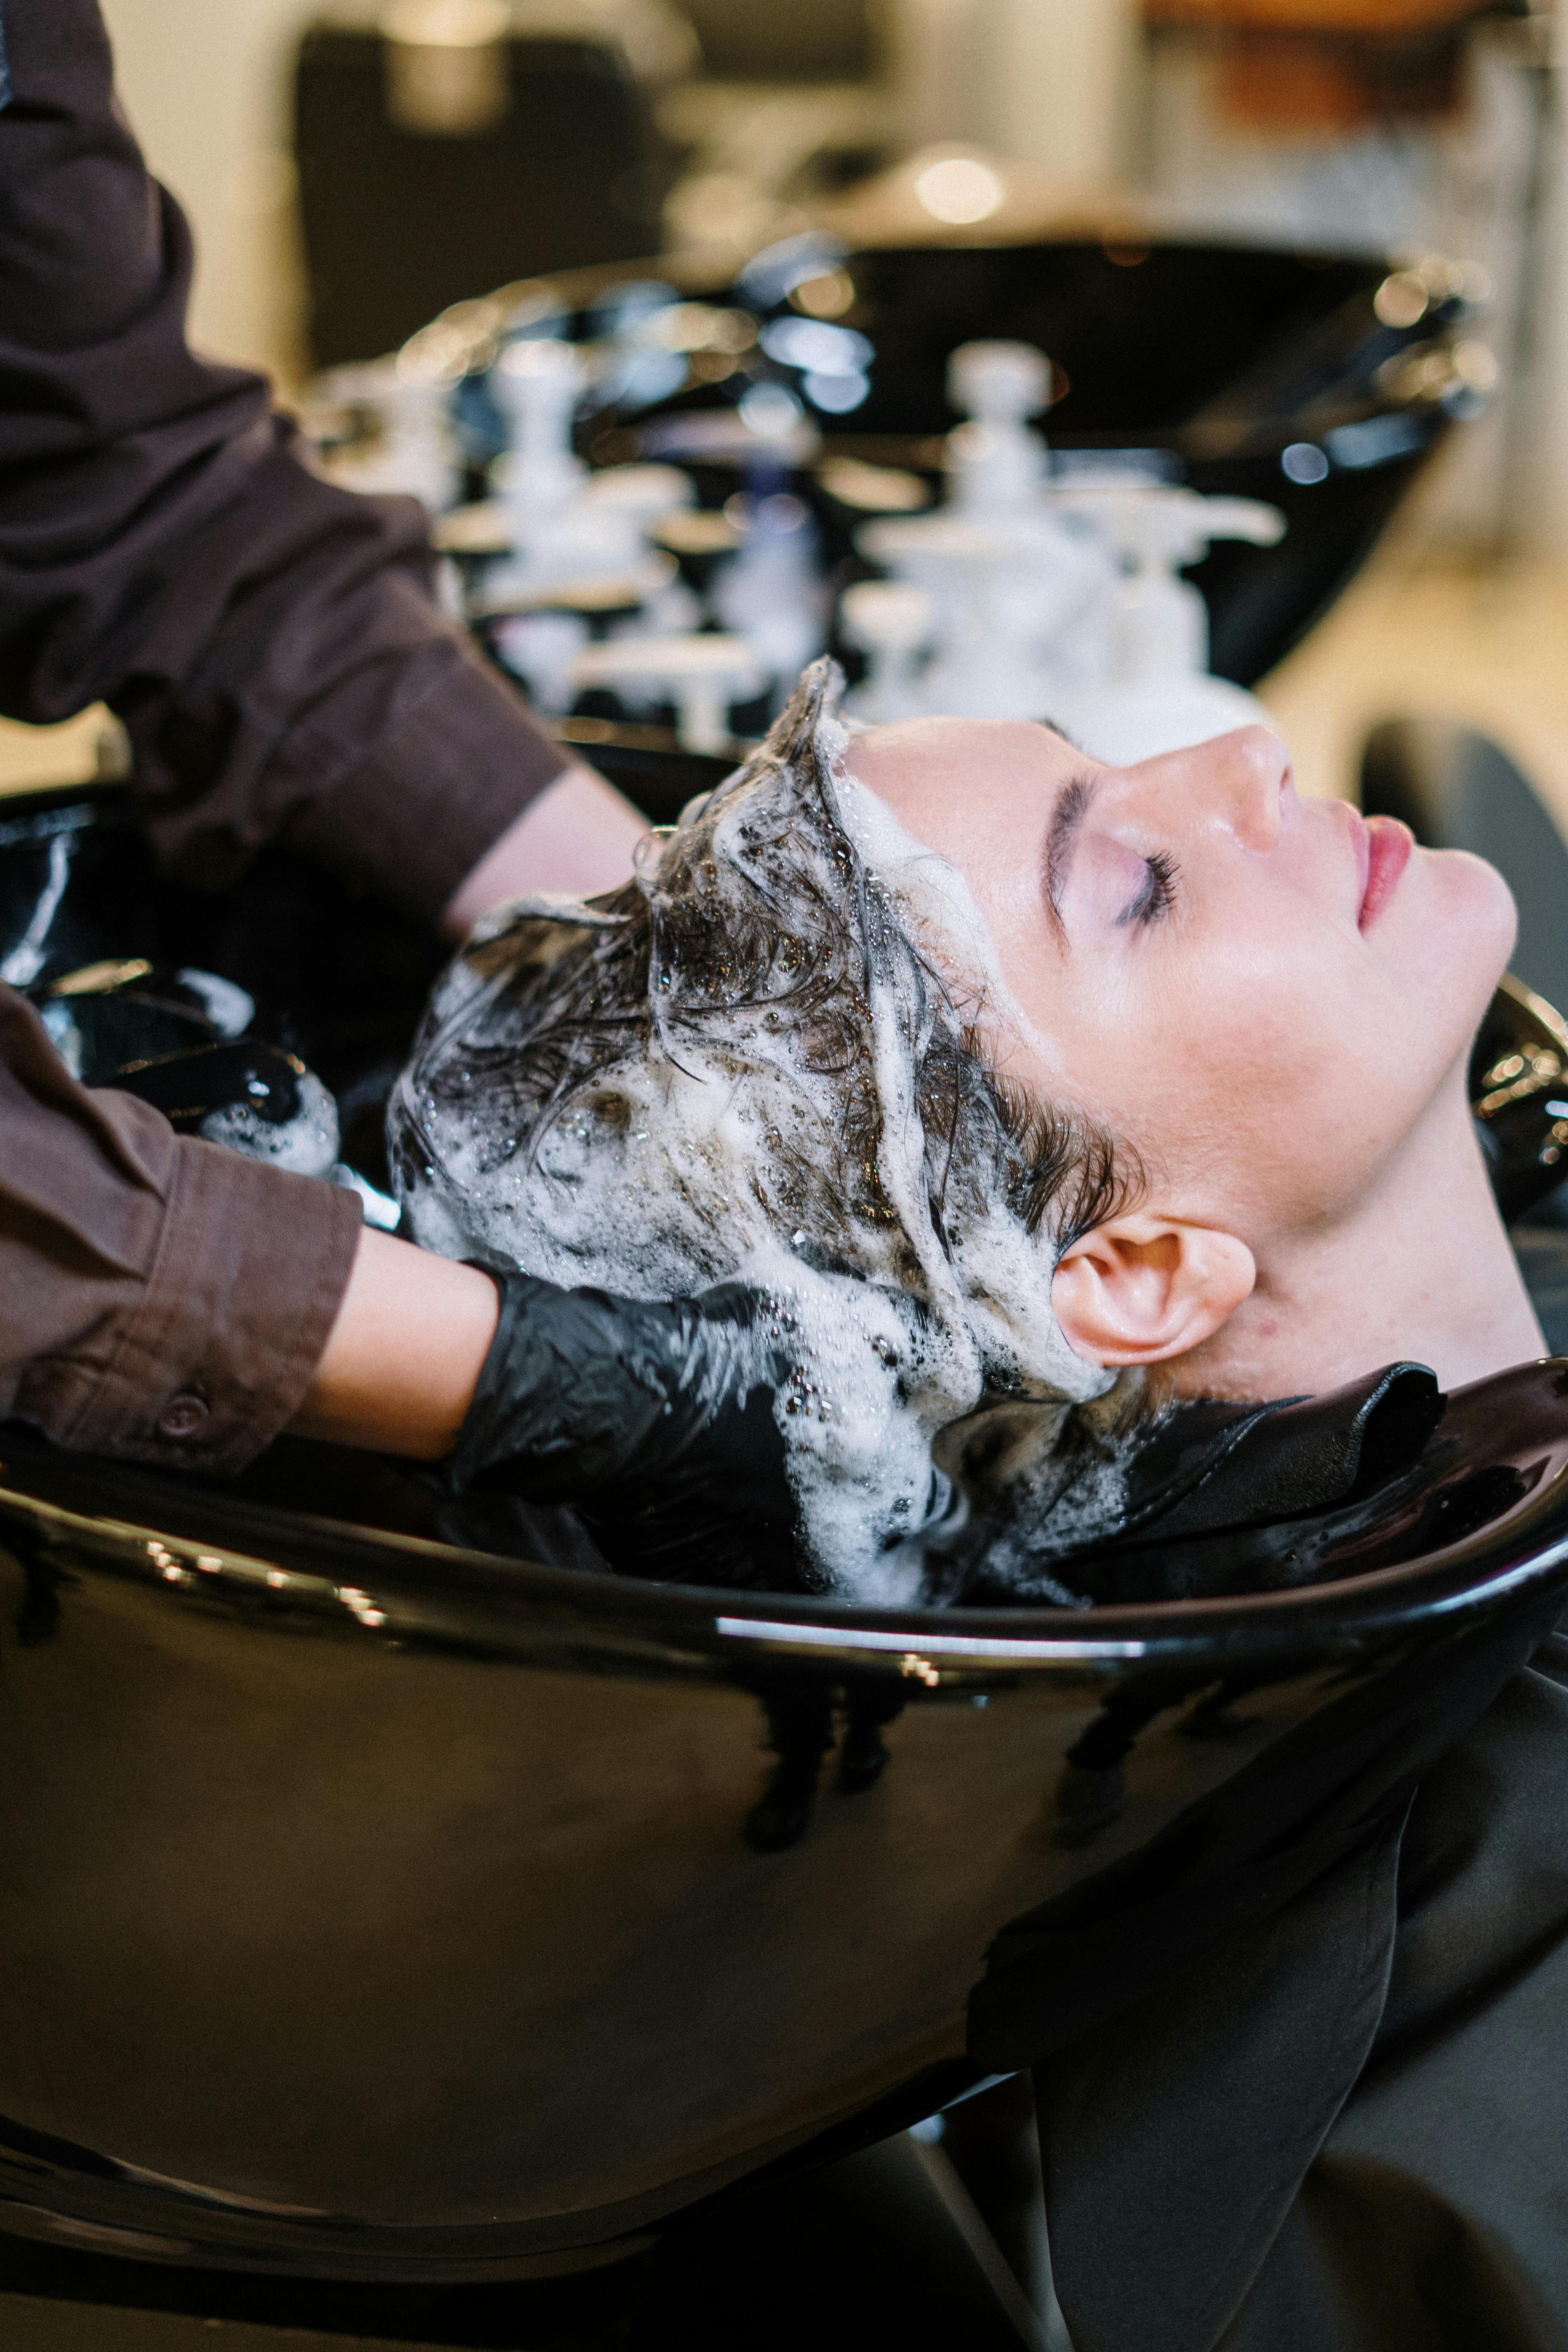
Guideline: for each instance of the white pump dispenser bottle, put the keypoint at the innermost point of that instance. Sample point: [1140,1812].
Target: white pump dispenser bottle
[537,384]
[566,526]
[892,623]
[1159,696]
[997,464]
[1018,584]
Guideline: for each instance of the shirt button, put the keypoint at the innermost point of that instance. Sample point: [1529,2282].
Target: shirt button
[182,1416]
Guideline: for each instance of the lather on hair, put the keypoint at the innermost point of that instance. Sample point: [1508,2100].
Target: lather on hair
[765,1059]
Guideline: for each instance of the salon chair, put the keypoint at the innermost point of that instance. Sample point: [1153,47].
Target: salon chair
[383,1910]
[555,160]
[815,41]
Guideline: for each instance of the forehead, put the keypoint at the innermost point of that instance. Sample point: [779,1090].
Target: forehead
[956,783]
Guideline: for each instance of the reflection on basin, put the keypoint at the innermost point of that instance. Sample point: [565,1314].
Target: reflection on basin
[377,1903]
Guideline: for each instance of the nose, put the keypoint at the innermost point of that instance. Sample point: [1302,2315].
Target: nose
[1243,779]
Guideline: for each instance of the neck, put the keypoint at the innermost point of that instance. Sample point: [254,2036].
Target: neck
[1422,1269]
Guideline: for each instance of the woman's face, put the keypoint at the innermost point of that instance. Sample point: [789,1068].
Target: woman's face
[1262,995]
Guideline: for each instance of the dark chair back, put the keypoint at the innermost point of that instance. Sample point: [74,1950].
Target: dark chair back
[812,40]
[401,218]
[1455,789]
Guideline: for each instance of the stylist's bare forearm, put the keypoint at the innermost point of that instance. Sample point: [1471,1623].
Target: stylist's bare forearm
[404,1355]
[577,837]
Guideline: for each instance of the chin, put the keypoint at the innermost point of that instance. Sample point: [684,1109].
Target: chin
[1467,936]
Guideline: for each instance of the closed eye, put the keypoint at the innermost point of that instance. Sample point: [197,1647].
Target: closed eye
[1158,895]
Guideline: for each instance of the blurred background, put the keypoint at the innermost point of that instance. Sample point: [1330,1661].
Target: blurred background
[351,169]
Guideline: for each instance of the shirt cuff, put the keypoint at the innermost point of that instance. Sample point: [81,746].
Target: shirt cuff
[215,1358]
[413,821]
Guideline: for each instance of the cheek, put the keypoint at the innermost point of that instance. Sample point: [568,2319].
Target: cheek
[1256,1012]
[1265,1063]
[1269,1104]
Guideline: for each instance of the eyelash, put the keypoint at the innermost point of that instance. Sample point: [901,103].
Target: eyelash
[1158,895]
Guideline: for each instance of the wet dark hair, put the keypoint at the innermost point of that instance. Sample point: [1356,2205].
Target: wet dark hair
[770,955]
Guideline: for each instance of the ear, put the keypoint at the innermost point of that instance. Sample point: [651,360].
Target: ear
[1143,1288]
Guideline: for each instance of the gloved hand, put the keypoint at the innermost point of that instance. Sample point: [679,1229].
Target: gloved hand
[656,1420]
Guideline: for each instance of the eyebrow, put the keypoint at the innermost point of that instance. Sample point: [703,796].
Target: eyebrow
[1061,840]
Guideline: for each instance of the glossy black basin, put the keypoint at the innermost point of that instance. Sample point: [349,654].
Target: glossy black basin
[375,1905]
[384,1892]
[1220,358]
[1223,357]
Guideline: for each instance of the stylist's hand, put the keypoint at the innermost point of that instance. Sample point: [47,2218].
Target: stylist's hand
[657,1421]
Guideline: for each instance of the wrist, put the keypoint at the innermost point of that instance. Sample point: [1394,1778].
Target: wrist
[404,1357]
[576,837]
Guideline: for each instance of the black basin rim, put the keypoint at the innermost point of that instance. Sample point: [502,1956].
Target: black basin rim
[339,2249]
[580,289]
[693,1624]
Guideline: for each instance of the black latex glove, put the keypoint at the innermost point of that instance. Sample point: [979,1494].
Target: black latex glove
[656,1421]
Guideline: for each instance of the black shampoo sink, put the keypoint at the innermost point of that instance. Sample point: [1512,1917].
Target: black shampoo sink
[381,1905]
[1320,382]
[391,1892]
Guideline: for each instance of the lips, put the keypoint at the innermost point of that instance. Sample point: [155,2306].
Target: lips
[1387,846]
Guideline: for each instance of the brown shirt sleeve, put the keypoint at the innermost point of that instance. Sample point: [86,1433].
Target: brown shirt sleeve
[270,640]
[285,674]
[159,1297]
